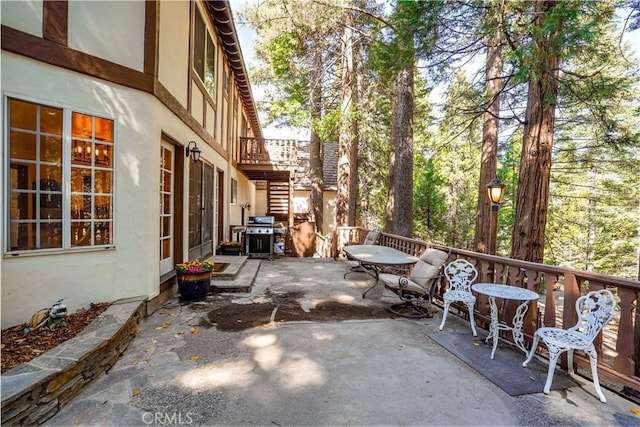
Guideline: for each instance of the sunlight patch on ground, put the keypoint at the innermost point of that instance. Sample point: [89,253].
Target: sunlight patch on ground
[268,358]
[230,374]
[323,336]
[260,340]
[301,372]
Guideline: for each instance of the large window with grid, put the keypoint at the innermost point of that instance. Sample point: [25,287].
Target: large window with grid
[60,178]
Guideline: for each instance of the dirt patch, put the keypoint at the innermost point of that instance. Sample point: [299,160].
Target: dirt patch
[228,316]
[18,348]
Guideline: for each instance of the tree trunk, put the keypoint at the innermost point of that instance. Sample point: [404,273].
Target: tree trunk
[399,213]
[315,152]
[345,169]
[535,164]
[488,161]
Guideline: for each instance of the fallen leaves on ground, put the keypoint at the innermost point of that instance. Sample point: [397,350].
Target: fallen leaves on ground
[18,348]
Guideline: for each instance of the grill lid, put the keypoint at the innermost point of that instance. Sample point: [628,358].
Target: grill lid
[262,221]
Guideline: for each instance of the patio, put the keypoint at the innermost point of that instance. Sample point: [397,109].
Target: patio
[181,368]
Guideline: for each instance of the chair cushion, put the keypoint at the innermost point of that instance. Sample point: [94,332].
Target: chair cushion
[392,282]
[434,256]
[424,273]
[372,238]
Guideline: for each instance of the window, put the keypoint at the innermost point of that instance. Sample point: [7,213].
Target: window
[234,191]
[204,54]
[60,178]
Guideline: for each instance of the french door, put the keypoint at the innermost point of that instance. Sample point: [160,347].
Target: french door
[167,185]
[201,213]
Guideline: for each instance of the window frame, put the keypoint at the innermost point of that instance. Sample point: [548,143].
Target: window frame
[233,196]
[208,37]
[66,165]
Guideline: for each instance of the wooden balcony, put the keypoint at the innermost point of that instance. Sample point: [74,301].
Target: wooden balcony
[268,159]
[617,346]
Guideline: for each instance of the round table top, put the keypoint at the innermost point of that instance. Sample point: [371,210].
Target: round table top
[377,254]
[505,291]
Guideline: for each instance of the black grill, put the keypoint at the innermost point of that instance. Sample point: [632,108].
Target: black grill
[259,237]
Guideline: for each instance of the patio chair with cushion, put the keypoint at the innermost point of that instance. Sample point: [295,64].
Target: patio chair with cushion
[415,291]
[594,310]
[460,276]
[372,238]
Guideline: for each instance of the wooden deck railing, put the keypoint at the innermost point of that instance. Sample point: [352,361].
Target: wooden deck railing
[259,151]
[559,288]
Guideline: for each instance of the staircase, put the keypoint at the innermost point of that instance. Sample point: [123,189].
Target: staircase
[279,200]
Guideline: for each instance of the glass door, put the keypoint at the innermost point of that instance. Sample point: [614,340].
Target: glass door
[200,210]
[166,207]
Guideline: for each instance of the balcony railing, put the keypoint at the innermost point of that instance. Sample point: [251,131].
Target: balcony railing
[268,152]
[559,288]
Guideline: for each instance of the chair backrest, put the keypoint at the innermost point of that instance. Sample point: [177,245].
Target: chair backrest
[594,310]
[460,275]
[428,267]
[372,238]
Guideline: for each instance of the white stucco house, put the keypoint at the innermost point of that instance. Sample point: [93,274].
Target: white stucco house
[100,100]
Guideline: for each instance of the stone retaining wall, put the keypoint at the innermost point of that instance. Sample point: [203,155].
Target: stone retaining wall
[33,392]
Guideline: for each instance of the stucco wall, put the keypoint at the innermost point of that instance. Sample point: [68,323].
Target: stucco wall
[25,15]
[92,22]
[173,48]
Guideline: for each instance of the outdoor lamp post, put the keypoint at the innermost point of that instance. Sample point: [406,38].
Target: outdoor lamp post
[192,150]
[496,190]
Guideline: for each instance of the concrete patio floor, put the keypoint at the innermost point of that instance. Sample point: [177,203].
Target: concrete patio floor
[181,370]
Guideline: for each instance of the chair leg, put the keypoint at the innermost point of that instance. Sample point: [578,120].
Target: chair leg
[570,362]
[593,361]
[553,359]
[534,346]
[444,314]
[472,320]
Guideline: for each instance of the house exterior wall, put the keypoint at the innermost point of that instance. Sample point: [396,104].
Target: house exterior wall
[91,23]
[130,266]
[173,48]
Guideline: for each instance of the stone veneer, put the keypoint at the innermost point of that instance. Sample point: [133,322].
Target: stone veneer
[33,392]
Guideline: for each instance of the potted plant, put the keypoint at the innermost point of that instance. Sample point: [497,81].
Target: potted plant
[194,278]
[230,247]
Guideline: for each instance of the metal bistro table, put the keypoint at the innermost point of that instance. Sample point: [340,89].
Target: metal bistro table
[376,258]
[493,291]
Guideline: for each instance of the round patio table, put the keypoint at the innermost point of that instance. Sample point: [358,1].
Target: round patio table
[493,291]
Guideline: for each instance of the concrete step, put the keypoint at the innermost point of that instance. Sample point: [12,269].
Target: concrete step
[241,282]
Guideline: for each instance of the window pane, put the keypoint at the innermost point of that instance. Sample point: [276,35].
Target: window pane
[51,120]
[166,224]
[103,155]
[81,125]
[166,250]
[23,145]
[166,181]
[23,114]
[103,233]
[209,75]
[166,204]
[103,207]
[76,207]
[51,235]
[80,180]
[166,159]
[198,45]
[51,149]
[104,129]
[103,181]
[51,177]
[81,152]
[80,234]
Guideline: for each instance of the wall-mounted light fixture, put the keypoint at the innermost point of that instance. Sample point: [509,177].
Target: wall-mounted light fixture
[193,151]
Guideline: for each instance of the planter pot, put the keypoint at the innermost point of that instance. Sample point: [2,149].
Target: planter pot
[230,250]
[194,285]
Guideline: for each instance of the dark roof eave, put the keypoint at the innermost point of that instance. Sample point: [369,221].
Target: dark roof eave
[220,13]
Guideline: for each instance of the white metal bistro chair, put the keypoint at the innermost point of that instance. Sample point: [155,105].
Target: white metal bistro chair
[594,310]
[460,276]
